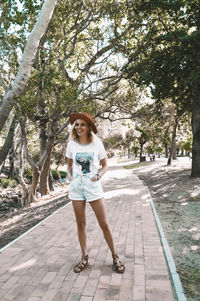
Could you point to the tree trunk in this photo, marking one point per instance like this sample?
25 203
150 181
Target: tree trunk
173 143
196 139
21 177
11 160
34 184
166 150
19 83
141 152
59 176
43 122
44 178
31 196
8 142
174 157
51 181
141 149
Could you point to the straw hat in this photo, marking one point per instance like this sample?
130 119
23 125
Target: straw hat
85 116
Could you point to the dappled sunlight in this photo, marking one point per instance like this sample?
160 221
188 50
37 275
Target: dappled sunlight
145 197
182 229
168 182
196 236
157 185
191 248
146 201
194 248
195 192
176 197
24 265
121 191
193 229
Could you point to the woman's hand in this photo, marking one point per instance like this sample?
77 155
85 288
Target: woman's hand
70 178
95 178
69 169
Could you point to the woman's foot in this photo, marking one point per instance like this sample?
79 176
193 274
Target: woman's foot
118 266
82 264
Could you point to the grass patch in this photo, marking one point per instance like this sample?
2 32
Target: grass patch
124 160
190 286
136 165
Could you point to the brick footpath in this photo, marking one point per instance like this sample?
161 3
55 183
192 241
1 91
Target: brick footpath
39 266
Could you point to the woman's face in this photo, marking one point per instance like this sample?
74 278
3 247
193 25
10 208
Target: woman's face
81 127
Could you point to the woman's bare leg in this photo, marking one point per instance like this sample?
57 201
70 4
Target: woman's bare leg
99 210
79 210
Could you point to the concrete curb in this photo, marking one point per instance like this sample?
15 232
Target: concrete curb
170 261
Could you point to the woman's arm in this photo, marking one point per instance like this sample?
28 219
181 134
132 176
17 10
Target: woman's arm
101 171
69 169
104 167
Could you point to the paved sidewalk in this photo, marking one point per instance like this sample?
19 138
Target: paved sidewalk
39 266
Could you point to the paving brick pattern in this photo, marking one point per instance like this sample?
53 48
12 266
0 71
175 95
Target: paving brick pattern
39 266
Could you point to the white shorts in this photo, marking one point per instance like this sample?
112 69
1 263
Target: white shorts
81 188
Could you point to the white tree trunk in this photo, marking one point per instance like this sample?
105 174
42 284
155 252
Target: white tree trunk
19 83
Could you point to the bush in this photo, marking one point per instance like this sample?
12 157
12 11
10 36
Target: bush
28 173
110 154
7 183
63 174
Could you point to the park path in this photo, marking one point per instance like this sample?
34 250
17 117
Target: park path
39 266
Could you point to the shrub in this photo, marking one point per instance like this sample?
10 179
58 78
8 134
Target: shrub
28 173
7 183
55 175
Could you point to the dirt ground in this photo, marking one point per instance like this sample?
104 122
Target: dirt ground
177 200
14 222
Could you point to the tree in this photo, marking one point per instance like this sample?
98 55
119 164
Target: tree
166 57
143 138
23 74
53 93
129 139
186 145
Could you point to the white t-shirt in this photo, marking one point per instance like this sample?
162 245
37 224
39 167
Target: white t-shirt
85 157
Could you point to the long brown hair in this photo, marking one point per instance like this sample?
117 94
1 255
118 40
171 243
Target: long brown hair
75 137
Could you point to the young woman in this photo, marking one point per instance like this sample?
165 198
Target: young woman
86 164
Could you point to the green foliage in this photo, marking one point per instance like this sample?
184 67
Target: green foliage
114 140
28 174
149 150
63 174
5 183
135 150
159 149
16 22
186 145
144 134
166 54
110 154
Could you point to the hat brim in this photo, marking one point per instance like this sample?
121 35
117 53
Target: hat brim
75 116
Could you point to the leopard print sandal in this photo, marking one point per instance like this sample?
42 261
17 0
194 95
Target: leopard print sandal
82 264
118 266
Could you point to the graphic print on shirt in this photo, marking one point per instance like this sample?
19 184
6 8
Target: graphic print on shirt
85 160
